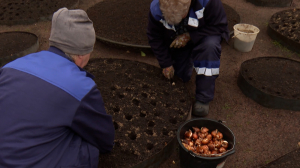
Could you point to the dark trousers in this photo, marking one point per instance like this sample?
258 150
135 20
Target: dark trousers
204 55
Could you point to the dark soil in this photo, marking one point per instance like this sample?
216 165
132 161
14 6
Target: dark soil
275 76
262 134
271 3
146 108
232 16
285 160
121 20
126 20
15 42
287 24
30 11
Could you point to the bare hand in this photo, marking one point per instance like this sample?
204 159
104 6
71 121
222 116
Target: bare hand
168 72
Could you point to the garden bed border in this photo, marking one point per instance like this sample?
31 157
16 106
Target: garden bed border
263 98
32 49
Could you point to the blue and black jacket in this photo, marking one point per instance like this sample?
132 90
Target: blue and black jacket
206 17
51 114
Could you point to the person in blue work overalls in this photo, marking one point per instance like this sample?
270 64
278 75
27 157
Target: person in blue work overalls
186 35
51 113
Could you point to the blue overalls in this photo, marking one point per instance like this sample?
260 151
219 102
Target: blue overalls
207 26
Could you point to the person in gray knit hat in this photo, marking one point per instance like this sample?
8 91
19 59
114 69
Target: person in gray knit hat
73 33
52 114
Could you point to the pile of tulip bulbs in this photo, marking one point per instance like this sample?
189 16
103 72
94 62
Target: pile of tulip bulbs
205 143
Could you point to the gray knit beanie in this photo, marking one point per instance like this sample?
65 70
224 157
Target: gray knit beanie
72 31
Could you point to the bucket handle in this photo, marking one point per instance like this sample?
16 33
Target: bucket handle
235 35
220 121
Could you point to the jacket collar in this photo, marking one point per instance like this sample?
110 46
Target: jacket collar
61 53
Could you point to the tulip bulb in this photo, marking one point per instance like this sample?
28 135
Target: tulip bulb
195 136
205 141
204 129
214 133
222 149
205 148
219 135
211 146
188 134
198 142
209 136
224 144
196 129
201 135
214 152
199 149
217 144
208 152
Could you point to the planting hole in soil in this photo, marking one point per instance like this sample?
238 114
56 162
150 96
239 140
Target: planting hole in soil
27 12
148 114
132 28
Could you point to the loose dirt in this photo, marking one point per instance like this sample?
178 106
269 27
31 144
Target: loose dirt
30 11
146 108
274 76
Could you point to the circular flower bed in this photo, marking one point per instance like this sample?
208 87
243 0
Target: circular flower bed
146 109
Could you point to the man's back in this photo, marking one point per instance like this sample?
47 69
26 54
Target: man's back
39 97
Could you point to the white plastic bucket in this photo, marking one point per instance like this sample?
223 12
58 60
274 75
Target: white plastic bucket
244 36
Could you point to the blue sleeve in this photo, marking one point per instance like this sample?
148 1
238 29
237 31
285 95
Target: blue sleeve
92 123
159 46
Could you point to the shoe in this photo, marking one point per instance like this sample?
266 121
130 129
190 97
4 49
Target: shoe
200 109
